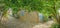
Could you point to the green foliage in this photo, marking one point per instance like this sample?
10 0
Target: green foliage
44 6
55 25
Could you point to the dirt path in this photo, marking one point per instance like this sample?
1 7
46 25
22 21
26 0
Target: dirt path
16 23
44 25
